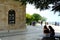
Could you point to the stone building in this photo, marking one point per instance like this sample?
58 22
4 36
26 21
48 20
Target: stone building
12 15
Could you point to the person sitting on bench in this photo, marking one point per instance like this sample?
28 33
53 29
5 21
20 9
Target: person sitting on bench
46 31
52 32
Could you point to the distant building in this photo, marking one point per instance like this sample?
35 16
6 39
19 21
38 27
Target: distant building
12 15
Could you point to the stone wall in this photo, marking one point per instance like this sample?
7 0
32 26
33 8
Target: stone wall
5 6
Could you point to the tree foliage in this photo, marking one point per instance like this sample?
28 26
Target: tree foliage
37 17
42 4
29 18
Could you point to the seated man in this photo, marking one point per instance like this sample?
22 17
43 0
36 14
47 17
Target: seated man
46 31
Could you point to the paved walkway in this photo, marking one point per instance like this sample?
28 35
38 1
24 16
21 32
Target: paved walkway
31 33
29 30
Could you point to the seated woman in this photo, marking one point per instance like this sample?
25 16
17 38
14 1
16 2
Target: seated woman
52 32
46 31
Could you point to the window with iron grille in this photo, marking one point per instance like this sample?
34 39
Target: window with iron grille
11 17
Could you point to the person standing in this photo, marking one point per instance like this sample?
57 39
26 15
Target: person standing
41 22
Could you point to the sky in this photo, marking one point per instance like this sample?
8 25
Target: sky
51 17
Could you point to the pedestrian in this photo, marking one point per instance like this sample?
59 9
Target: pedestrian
55 23
30 23
41 22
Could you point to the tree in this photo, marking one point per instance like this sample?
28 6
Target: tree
56 7
29 18
36 17
43 4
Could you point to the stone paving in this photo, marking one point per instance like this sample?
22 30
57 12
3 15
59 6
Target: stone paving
31 33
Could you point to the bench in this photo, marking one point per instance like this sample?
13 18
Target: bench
51 38
57 37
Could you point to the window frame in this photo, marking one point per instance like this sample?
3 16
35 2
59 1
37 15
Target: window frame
11 15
